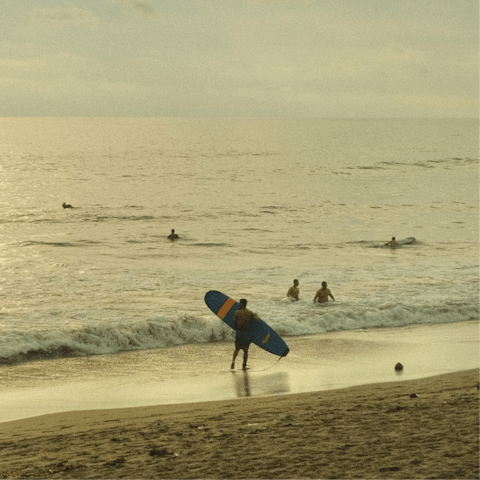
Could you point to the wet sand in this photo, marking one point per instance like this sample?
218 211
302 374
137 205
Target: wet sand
199 373
367 431
333 408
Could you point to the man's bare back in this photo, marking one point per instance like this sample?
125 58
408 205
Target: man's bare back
242 318
392 243
173 236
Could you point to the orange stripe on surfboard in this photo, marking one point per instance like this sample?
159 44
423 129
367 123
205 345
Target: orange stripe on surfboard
229 303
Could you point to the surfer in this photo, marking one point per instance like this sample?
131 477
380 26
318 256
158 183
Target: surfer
392 243
244 335
293 291
322 295
64 205
173 236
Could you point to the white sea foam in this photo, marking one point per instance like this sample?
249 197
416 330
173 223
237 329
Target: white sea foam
18 347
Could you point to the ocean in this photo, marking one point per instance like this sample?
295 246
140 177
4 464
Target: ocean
257 203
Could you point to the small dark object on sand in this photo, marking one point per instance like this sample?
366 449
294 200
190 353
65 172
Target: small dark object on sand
64 205
398 367
413 395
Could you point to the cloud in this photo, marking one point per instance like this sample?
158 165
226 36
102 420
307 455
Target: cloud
63 16
45 67
142 7
222 57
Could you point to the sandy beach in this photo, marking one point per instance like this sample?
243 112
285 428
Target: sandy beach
333 408
201 372
424 428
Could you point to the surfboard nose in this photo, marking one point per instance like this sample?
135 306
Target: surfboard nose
215 300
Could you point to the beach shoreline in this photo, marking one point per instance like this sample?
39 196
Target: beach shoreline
423 428
199 373
333 408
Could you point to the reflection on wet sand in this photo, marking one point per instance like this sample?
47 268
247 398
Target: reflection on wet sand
249 385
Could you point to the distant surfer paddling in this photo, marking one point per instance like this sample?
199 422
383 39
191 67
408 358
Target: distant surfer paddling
322 295
392 243
64 205
293 291
244 334
173 236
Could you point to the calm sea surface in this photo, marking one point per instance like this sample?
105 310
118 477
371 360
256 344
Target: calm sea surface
257 203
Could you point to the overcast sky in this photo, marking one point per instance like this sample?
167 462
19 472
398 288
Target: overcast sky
245 58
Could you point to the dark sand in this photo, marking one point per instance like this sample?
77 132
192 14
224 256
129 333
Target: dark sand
367 431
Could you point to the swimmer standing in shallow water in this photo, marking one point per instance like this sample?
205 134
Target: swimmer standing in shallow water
294 291
322 295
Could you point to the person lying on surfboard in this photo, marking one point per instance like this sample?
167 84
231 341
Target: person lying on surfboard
293 291
392 243
244 334
322 295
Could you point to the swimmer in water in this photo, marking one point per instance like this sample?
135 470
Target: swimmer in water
173 236
293 291
322 295
392 243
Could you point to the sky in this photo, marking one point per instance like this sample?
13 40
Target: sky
239 58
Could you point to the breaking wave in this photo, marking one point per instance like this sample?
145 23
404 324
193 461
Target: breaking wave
297 319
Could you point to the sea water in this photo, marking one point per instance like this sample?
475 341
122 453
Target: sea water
257 203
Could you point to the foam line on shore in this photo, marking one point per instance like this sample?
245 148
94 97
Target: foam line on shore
201 372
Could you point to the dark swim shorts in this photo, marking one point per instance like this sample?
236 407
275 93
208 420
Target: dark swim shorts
243 338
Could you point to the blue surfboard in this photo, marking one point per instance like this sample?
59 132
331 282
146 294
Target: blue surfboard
263 335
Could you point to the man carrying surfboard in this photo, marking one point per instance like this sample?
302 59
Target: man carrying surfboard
322 295
244 334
